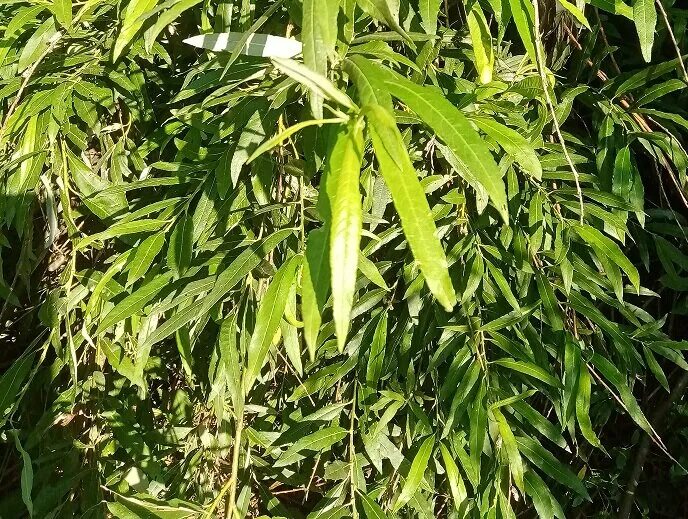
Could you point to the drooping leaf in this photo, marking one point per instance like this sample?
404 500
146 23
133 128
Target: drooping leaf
645 19
267 320
416 473
411 204
346 225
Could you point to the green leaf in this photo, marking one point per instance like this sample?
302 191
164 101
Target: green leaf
62 9
387 12
144 255
524 18
481 40
370 271
230 356
269 315
452 127
288 132
429 10
371 508
530 369
416 473
575 12
317 441
134 302
317 83
510 319
166 18
319 35
645 19
181 246
121 229
377 351
135 15
11 384
509 443
346 226
227 280
456 484
549 301
315 285
583 407
615 377
26 480
545 503
610 249
548 464
514 144
411 204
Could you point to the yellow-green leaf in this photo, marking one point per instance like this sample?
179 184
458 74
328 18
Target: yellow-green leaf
269 315
347 223
411 204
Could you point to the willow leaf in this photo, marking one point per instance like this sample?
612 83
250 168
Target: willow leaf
411 204
645 19
268 319
347 222
416 473
452 127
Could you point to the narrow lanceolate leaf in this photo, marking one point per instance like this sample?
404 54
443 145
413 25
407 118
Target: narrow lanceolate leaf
451 126
411 204
229 355
549 301
181 246
11 384
416 473
63 12
429 10
347 222
530 369
514 144
315 285
377 351
606 246
645 19
144 256
549 465
481 40
371 508
166 18
610 372
268 319
575 12
134 303
288 132
226 281
385 11
509 444
456 484
524 18
26 480
583 407
317 83
134 18
121 229
317 441
318 36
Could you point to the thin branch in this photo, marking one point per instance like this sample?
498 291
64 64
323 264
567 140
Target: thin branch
673 39
540 63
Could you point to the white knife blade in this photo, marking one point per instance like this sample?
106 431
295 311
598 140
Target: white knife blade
265 45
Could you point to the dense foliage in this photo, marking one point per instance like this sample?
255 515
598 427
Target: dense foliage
434 265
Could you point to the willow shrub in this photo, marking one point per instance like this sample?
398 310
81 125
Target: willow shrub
419 267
